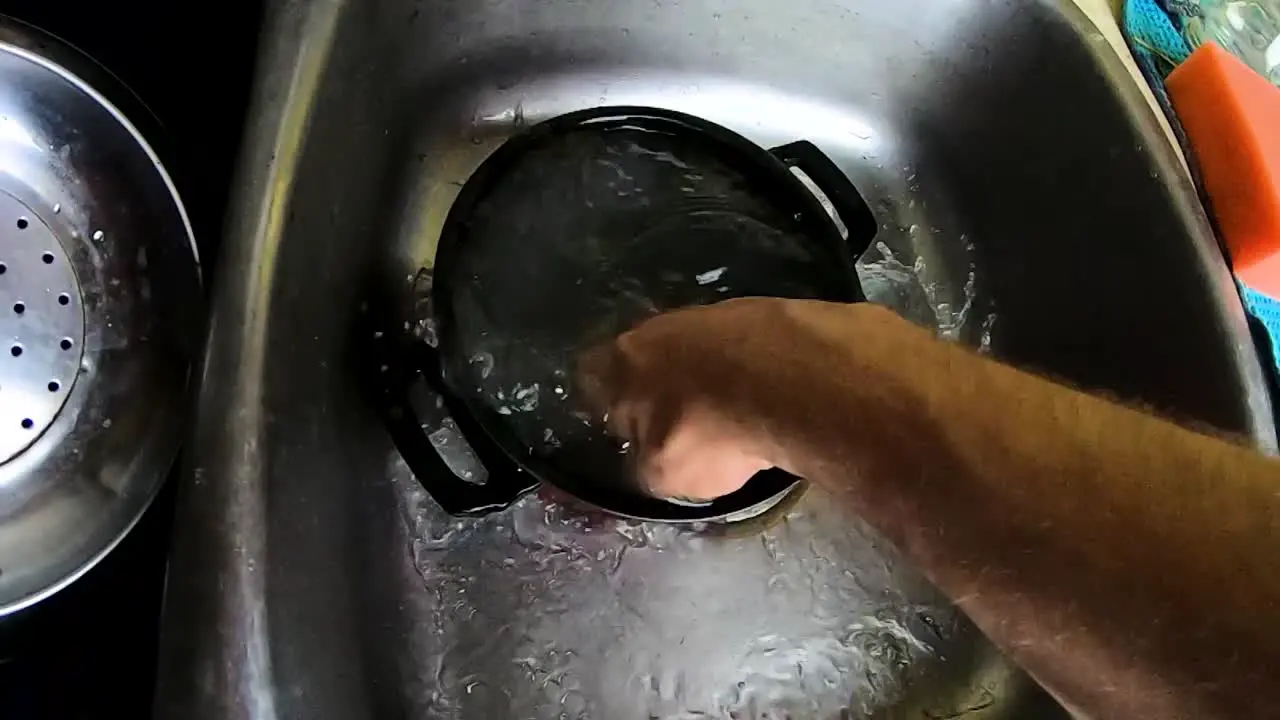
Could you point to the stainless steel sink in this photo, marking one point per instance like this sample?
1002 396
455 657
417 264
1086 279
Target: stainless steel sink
1028 206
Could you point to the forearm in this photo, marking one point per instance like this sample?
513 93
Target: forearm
1125 561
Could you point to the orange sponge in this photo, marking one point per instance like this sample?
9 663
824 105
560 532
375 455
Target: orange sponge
1232 118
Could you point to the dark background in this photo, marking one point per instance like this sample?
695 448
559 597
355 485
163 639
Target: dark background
90 651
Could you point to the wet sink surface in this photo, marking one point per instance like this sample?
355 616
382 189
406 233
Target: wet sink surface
1027 207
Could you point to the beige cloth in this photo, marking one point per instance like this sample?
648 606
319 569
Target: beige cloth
1105 14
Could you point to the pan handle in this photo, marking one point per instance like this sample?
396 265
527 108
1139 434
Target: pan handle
832 181
406 380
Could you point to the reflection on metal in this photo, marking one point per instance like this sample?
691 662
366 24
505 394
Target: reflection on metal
100 315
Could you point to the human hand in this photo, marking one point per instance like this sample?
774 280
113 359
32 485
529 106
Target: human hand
704 394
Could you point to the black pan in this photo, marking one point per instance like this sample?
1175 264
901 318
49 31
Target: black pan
665 195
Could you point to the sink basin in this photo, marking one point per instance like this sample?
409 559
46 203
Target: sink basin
1027 205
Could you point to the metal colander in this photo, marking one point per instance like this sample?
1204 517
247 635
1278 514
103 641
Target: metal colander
100 315
41 326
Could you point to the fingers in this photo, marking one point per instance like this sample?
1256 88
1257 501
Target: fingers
614 386
655 387
598 376
698 462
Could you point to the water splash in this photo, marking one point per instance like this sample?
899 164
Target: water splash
988 327
550 610
900 279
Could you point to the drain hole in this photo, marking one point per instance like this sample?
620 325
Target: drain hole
16 350
19 308
64 299
27 423
65 344
54 386
22 223
47 258
3 268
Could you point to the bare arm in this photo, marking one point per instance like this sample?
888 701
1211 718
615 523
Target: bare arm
1127 563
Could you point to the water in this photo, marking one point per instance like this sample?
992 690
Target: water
893 275
548 611
457 453
711 276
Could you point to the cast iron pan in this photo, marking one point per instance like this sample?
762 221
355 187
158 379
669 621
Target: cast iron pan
568 234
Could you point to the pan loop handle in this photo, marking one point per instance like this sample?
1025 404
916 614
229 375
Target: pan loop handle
850 209
410 394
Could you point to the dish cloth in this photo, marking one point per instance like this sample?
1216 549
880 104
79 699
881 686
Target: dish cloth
1152 33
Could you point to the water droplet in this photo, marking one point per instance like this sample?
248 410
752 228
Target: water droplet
711 276
484 361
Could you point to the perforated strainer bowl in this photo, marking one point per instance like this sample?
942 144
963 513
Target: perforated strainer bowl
99 315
